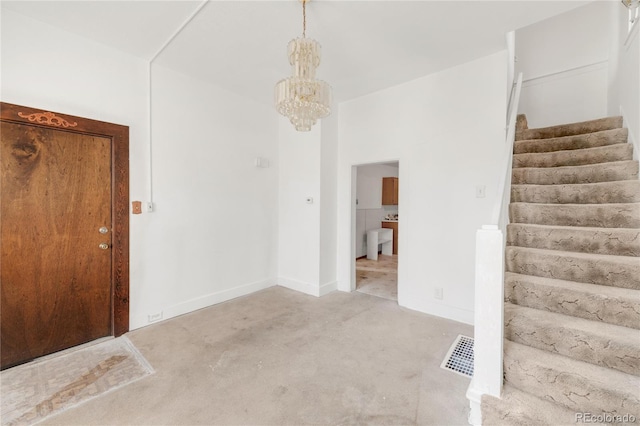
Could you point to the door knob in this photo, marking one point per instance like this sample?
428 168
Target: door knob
104 246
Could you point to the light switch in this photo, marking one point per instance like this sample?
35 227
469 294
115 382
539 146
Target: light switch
262 163
481 191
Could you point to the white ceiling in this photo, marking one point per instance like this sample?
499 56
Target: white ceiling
241 45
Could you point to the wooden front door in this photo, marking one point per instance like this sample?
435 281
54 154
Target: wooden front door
58 233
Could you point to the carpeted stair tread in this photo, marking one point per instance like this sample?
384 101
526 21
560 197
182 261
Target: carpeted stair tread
572 280
615 271
594 342
575 157
577 385
618 215
522 122
589 140
612 305
570 129
612 241
589 173
627 191
518 408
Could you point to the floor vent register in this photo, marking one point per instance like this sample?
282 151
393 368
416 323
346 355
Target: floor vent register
459 359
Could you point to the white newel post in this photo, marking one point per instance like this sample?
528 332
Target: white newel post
489 304
489 285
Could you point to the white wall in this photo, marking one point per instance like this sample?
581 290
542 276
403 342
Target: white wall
213 234
328 200
447 131
563 61
307 232
299 222
624 73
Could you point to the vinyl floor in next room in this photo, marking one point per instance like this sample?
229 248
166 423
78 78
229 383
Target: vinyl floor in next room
378 277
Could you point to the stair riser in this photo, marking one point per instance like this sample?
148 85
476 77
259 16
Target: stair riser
570 388
571 129
521 122
590 140
494 414
588 193
620 310
572 281
520 408
592 173
623 272
618 349
618 242
578 157
603 216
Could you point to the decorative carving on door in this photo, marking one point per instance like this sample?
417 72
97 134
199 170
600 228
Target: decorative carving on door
46 117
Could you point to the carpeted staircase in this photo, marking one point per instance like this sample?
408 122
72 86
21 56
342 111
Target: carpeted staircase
572 281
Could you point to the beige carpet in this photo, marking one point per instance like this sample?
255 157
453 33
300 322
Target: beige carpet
34 391
572 280
378 277
279 357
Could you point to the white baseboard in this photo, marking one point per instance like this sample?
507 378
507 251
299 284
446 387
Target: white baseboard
308 288
440 310
328 288
138 321
475 401
301 286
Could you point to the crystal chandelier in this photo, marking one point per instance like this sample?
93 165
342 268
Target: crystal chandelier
301 97
633 6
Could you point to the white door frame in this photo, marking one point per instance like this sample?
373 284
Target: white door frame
352 226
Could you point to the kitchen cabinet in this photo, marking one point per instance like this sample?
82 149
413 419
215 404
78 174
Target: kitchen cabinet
394 226
390 191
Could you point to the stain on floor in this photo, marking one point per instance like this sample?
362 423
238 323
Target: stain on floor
34 391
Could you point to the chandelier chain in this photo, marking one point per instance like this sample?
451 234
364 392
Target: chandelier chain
304 18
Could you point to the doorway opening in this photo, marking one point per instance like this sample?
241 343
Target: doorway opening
377 229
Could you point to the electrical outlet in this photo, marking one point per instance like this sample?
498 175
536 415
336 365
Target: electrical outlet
155 317
437 293
261 162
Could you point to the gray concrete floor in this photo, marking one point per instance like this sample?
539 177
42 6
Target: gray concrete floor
281 357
